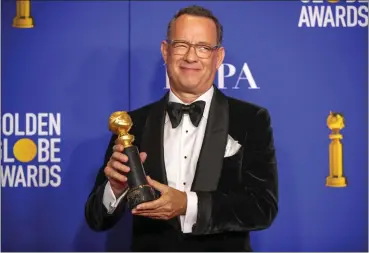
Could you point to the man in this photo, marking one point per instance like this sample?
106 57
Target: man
214 166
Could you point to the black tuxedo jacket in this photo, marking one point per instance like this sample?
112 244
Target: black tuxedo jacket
236 194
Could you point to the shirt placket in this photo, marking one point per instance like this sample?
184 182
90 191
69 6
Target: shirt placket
185 154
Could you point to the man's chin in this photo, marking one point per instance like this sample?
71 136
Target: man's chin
190 86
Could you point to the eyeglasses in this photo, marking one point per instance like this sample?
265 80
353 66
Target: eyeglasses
181 47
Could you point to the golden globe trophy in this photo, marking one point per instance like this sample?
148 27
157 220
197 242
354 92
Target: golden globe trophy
139 190
23 18
335 122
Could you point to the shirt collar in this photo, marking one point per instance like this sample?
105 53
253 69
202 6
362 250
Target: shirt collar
207 97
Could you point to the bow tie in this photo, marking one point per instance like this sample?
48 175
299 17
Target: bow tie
176 111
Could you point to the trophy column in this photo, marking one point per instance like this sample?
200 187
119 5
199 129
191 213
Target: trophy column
335 122
23 18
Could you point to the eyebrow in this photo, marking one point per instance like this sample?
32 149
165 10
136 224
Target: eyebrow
203 42
200 42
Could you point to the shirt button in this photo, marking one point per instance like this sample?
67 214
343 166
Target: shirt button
185 157
184 183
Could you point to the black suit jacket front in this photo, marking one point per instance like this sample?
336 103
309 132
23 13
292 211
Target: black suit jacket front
236 194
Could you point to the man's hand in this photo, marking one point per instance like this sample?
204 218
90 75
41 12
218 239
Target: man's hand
171 203
115 170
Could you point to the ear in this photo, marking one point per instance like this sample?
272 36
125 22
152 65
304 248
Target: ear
164 50
220 56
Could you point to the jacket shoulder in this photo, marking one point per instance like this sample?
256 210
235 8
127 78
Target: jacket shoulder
241 107
246 117
141 111
140 114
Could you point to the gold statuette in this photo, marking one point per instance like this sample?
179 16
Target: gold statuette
23 18
335 122
139 191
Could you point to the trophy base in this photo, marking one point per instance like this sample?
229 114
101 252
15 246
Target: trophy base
23 22
140 194
336 182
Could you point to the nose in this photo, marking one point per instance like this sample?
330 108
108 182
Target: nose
191 55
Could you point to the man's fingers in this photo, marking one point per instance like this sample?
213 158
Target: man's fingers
120 157
152 215
118 148
160 209
158 214
116 182
143 156
158 186
152 204
117 165
111 173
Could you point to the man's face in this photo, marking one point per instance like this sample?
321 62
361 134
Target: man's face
192 69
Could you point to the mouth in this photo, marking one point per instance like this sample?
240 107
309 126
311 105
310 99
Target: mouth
189 69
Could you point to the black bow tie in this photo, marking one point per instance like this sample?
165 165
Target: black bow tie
176 111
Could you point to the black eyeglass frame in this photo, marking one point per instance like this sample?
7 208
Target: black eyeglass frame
195 46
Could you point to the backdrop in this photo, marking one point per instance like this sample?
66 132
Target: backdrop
83 60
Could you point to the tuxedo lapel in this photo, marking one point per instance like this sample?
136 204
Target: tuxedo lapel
210 161
152 144
152 141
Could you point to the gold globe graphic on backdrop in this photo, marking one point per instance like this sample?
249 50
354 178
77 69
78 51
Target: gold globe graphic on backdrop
25 150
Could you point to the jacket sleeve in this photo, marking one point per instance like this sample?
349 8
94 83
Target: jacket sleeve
253 204
96 214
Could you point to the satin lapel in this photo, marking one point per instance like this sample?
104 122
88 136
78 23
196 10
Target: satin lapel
210 161
152 142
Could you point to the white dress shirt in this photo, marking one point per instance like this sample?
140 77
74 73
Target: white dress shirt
181 151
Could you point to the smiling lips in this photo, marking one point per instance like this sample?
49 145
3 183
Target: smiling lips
185 68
